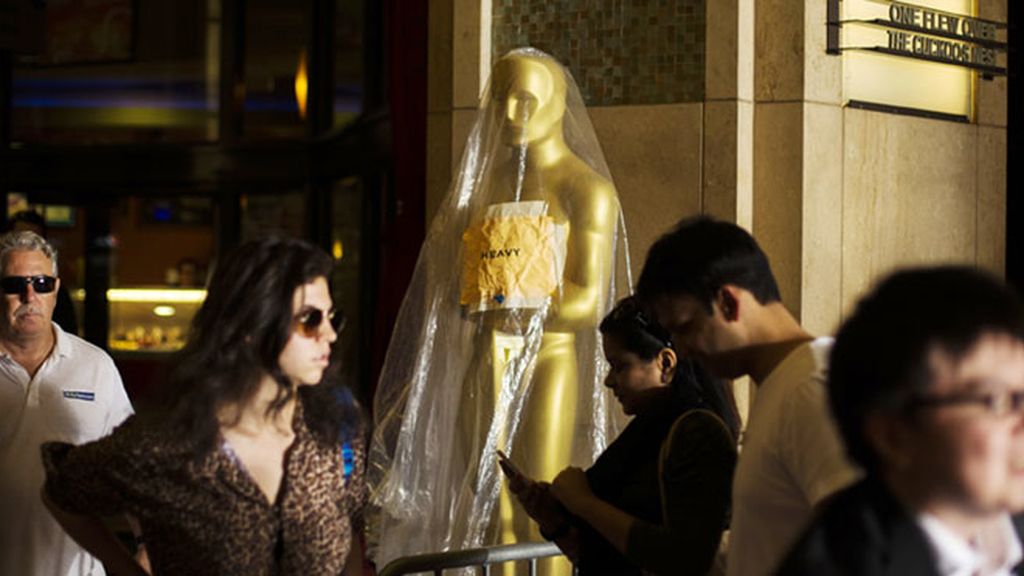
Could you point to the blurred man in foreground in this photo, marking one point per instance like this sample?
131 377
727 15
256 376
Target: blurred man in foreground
927 384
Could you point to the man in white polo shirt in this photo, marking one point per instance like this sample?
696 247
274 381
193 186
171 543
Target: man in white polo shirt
53 386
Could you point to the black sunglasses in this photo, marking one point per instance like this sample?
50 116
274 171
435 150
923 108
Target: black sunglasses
308 323
42 284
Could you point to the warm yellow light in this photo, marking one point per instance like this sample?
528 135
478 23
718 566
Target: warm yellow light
896 81
301 85
337 250
165 295
137 117
156 295
164 311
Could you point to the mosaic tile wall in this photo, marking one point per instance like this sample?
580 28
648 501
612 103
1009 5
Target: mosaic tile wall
620 51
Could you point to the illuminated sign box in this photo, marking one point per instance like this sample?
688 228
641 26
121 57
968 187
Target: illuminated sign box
919 58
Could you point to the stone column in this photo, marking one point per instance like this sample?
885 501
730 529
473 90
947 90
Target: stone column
728 157
798 153
459 63
842 196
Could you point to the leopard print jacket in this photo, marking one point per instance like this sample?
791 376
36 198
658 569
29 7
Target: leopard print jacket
210 517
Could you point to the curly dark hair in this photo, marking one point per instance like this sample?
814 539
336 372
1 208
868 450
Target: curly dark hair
238 335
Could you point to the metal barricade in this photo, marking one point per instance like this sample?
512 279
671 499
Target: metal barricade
438 562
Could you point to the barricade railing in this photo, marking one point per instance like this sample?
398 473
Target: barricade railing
482 558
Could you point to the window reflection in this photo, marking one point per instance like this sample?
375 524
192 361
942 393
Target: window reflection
157 85
277 36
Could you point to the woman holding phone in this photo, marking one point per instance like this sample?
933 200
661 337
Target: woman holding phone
657 499
258 469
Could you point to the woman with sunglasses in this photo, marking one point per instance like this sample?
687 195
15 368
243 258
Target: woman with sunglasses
657 499
258 467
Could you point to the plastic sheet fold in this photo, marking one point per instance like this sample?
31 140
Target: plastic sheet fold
526 254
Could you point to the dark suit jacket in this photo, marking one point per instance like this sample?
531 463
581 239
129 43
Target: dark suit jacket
864 531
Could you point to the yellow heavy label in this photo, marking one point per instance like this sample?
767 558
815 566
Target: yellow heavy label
514 257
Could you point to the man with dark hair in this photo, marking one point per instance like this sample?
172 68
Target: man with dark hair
927 386
711 286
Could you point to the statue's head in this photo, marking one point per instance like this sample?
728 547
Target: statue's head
528 95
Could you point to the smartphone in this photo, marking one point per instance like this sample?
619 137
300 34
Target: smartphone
507 467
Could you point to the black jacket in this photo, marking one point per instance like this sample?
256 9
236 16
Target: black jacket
864 531
677 534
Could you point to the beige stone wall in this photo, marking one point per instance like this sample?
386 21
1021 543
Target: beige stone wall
667 160
845 196
918 191
837 196
654 156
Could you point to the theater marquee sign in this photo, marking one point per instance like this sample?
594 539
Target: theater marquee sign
923 57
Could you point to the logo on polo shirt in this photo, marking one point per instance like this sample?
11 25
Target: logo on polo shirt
80 395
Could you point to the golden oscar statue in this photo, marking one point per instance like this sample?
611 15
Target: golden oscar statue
503 355
529 93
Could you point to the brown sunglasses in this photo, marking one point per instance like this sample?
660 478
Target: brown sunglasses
309 322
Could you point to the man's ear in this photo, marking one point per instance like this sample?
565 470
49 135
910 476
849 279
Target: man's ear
885 434
667 361
728 301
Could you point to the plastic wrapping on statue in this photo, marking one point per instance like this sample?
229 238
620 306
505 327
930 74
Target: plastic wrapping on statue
526 254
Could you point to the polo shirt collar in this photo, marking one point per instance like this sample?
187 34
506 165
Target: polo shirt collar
62 342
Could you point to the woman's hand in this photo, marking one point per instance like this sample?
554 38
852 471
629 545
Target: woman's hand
572 489
537 500
535 497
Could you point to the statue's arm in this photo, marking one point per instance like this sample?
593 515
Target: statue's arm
594 215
